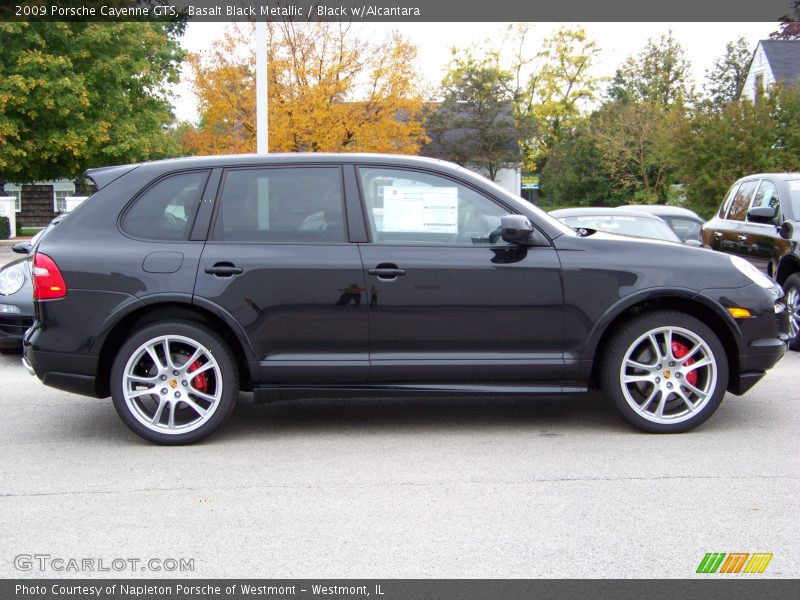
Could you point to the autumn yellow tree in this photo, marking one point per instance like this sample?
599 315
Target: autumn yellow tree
329 91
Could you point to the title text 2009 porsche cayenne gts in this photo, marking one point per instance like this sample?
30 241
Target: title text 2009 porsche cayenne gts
181 282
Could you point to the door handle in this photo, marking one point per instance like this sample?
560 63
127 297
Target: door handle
386 273
717 234
742 238
224 270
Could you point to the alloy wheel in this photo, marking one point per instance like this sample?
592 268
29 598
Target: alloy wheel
172 384
668 375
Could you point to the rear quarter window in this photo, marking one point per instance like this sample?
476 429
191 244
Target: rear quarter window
167 209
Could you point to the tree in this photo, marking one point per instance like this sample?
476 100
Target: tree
559 85
660 73
474 124
77 95
727 76
790 25
714 149
632 141
329 90
575 174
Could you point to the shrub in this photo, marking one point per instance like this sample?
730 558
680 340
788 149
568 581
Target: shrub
5 228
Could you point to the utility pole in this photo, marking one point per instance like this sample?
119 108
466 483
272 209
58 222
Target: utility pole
262 118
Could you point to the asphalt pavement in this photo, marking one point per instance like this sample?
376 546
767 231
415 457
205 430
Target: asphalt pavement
422 488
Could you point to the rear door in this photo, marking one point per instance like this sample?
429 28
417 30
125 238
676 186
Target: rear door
279 261
449 300
726 232
758 243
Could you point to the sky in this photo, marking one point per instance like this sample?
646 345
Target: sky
703 42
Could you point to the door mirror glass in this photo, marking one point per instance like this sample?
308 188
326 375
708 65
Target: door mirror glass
517 229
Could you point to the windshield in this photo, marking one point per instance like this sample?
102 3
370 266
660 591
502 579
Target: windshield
624 225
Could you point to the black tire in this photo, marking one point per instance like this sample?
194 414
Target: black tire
201 402
791 289
630 342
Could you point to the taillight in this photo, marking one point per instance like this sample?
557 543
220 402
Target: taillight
48 283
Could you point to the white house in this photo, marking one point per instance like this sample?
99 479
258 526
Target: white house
773 60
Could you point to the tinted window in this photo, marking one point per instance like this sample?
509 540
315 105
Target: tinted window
687 229
741 202
166 211
728 199
286 204
411 207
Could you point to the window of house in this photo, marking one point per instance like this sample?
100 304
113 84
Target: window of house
62 189
15 190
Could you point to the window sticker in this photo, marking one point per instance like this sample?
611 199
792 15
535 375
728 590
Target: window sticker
422 209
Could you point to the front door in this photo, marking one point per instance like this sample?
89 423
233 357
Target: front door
449 300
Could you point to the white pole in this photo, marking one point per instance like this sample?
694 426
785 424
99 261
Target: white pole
262 120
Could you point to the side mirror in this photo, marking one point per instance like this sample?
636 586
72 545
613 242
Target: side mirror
787 229
516 229
22 248
694 243
762 214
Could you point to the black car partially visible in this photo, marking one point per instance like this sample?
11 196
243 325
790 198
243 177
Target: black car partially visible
759 220
16 304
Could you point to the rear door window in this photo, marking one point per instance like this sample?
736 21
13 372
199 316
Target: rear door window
741 201
166 211
281 204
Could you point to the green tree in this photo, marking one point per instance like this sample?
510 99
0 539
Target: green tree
632 141
78 95
659 74
559 85
713 149
575 174
726 77
474 124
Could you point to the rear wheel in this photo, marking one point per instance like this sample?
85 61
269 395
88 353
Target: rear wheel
791 288
665 372
174 382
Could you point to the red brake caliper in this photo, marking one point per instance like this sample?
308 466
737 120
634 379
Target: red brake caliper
679 351
200 382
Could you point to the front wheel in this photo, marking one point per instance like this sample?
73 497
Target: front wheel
665 372
174 382
791 288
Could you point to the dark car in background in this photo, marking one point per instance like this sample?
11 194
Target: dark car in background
759 220
181 282
16 304
686 223
620 221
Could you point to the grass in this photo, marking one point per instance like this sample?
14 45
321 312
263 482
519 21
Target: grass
29 231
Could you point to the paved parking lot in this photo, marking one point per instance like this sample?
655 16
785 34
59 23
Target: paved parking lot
459 487
403 488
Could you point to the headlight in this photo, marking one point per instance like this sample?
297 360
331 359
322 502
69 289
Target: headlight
12 279
752 273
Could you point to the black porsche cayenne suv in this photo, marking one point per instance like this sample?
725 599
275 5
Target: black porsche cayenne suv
182 282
